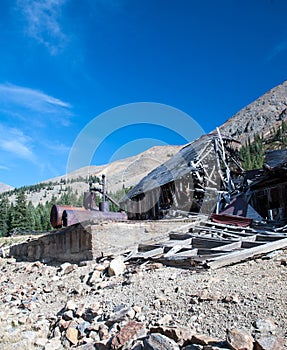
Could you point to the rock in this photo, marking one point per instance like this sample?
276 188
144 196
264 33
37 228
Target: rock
269 343
82 327
265 326
239 339
94 277
202 339
234 298
103 332
64 324
117 267
30 335
68 315
119 316
157 341
94 335
165 320
72 335
53 344
206 295
154 266
71 305
129 332
48 289
137 309
87 346
102 345
179 335
41 342
67 268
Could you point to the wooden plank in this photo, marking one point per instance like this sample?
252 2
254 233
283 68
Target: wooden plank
222 232
236 257
230 246
187 253
273 237
251 244
175 242
148 254
173 250
179 235
203 242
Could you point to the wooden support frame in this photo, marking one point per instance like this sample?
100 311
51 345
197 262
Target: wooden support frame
188 249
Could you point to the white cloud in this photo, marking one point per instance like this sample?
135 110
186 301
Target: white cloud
13 97
15 142
4 167
42 19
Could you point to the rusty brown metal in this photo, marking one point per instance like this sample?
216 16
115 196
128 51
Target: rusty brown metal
76 215
57 213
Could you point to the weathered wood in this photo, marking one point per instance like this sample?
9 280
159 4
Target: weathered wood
176 242
180 236
148 254
230 246
236 257
173 250
187 253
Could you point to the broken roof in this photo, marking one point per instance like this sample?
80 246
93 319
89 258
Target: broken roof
276 159
176 167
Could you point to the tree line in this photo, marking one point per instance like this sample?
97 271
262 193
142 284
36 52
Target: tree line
252 154
22 216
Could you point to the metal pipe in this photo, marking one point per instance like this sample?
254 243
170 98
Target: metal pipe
71 217
57 213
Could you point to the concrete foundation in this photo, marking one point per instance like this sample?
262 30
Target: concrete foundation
79 243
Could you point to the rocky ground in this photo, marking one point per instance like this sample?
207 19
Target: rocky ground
143 305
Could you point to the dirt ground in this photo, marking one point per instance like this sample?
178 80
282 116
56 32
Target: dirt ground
33 295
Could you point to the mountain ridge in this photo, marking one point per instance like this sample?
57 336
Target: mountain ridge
259 116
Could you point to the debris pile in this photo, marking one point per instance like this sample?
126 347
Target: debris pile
114 304
88 327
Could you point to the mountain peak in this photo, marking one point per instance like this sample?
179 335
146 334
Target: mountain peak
260 116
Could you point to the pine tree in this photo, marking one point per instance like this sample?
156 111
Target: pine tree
4 216
20 214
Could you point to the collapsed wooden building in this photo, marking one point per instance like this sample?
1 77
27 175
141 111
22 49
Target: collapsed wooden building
205 177
190 182
267 187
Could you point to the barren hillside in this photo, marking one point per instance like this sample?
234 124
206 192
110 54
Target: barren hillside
5 187
121 173
260 116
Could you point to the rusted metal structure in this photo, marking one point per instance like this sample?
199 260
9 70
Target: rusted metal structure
201 177
65 215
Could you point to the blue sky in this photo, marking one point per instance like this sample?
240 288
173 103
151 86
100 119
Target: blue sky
65 62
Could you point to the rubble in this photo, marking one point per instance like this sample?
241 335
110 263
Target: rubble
162 308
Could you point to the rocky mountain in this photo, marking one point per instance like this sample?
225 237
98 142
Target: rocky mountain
260 116
5 187
120 174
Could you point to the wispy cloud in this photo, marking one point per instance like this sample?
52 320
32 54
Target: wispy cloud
42 22
277 50
4 167
13 97
56 147
15 142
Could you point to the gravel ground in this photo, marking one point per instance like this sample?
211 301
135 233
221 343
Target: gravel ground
33 295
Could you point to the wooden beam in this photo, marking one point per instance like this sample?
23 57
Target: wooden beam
236 257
